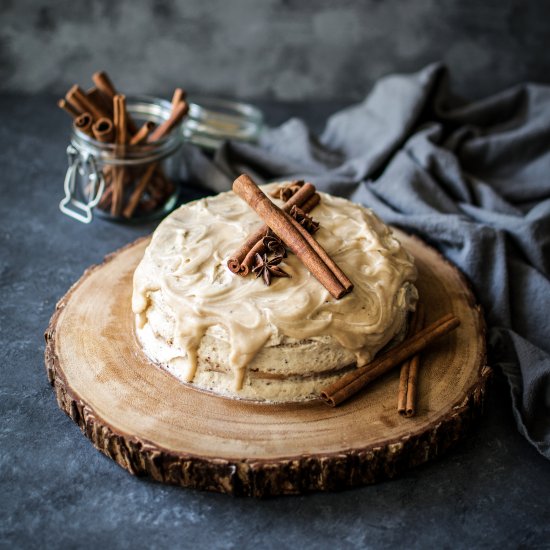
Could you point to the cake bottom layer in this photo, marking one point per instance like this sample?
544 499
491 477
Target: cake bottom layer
274 385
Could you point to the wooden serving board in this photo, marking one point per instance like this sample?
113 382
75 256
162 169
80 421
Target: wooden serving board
152 424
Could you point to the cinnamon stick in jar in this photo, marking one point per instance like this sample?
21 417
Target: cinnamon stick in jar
105 86
121 137
176 116
119 116
76 96
143 133
178 96
103 130
280 223
95 96
83 123
139 190
110 171
68 108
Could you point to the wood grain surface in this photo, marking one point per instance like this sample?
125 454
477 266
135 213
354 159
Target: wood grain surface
152 424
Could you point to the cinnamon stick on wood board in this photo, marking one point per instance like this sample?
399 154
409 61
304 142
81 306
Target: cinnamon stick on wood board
281 224
356 380
406 399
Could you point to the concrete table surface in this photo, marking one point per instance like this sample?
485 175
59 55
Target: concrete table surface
56 490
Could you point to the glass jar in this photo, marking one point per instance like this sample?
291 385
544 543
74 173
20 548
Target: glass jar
124 182
215 120
144 179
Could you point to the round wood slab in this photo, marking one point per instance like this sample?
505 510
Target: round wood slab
152 424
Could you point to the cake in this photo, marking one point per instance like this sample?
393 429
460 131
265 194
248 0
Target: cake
239 338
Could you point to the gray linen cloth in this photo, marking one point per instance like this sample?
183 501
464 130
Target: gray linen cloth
471 178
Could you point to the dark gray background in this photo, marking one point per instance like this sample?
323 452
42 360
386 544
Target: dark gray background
57 491
281 49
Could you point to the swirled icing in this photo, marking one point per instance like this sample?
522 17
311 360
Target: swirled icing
183 289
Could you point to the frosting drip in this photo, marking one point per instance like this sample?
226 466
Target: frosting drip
184 269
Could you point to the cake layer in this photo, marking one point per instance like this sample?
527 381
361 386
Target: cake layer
238 337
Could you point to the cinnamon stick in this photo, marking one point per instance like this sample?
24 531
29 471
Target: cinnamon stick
83 123
119 117
141 135
74 104
121 137
103 130
76 96
176 116
105 117
257 247
355 381
106 199
138 191
406 400
284 192
179 96
178 112
103 82
241 261
155 188
105 86
310 204
281 224
96 97
340 275
68 108
117 193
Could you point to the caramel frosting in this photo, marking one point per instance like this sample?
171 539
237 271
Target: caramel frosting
194 316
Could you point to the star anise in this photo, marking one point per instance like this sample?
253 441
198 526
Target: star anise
274 245
268 268
306 221
284 192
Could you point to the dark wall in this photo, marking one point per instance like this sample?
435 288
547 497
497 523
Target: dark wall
283 49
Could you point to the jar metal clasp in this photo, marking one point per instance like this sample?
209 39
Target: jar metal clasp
83 165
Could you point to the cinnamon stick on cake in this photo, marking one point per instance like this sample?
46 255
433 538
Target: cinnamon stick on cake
295 237
299 194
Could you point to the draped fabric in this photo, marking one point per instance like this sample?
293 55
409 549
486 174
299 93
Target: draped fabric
470 178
